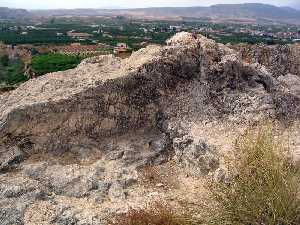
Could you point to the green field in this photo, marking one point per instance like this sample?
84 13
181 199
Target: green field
11 73
43 64
131 31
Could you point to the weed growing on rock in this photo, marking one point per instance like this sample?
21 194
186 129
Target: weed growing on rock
155 213
264 189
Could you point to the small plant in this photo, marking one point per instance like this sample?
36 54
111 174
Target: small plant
155 213
264 189
4 60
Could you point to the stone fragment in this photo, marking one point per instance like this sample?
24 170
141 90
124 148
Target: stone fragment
11 157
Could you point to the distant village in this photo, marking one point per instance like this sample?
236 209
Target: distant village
293 36
86 37
97 48
284 33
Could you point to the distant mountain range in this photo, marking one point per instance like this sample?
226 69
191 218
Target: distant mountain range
226 11
7 13
297 6
250 11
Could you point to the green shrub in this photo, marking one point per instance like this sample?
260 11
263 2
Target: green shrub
43 64
12 74
4 60
264 189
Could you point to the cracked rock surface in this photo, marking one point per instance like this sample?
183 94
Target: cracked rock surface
73 143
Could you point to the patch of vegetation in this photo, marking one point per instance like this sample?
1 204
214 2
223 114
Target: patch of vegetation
43 64
264 189
11 72
4 60
33 37
246 38
155 213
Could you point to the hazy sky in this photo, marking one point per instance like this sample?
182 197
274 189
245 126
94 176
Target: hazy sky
46 4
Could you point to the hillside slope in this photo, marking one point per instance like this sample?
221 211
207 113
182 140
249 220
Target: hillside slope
7 13
72 143
254 11
248 10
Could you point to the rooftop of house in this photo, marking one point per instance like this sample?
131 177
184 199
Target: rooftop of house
79 48
74 34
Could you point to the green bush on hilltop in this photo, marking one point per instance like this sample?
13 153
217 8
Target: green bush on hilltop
11 72
4 60
43 64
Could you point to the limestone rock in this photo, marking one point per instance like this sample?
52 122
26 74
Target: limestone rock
9 216
279 59
72 142
201 157
79 102
10 157
116 192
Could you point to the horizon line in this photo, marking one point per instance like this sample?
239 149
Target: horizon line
126 8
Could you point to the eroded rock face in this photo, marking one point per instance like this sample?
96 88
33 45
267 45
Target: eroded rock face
279 59
105 96
72 143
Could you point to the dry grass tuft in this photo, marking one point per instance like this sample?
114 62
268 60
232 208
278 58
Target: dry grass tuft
155 213
264 189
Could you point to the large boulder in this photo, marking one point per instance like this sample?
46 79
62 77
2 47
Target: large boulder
72 143
279 59
106 96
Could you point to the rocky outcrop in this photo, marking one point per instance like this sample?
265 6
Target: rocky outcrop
105 96
75 140
278 59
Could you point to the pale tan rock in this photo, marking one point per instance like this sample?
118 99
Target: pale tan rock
279 59
85 133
